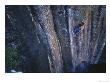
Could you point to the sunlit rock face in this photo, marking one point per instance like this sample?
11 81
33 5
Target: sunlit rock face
44 40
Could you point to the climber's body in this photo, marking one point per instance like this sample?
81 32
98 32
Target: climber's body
78 28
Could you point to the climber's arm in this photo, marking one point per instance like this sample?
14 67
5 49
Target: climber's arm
82 28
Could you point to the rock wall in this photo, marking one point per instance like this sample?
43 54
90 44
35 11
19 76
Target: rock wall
45 41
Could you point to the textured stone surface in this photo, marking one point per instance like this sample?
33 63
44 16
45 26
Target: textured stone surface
44 38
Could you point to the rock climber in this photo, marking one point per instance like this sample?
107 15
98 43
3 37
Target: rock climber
78 28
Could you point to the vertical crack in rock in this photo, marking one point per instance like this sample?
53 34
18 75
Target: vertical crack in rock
72 40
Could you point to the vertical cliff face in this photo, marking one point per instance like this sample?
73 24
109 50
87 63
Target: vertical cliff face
45 19
44 39
87 46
